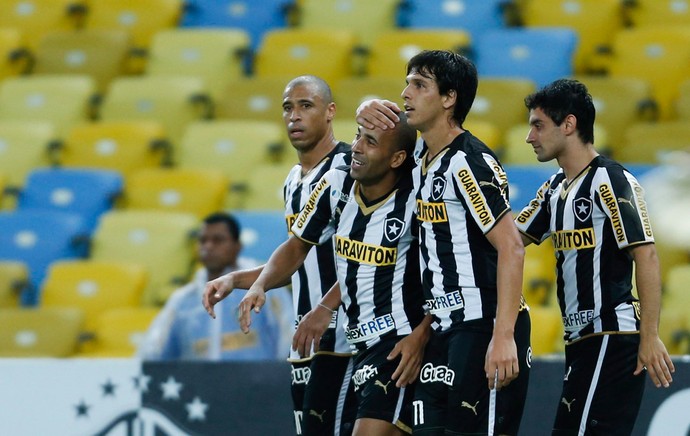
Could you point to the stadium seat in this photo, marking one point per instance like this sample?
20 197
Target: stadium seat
327 53
547 329
659 55
391 50
24 146
140 19
253 17
367 19
657 13
262 232
233 147
595 21
540 55
122 146
14 278
472 16
14 57
676 286
486 131
674 329
619 102
119 331
500 101
646 142
93 287
196 191
253 98
85 192
161 241
39 238
100 54
35 18
539 274
349 93
174 101
525 180
60 100
215 55
40 332
344 129
264 190
683 101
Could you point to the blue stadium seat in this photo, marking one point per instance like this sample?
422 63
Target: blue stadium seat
254 17
541 55
86 192
472 16
524 181
37 238
262 232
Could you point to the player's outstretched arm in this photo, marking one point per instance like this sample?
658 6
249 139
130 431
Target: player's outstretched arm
313 325
378 113
277 272
652 353
501 364
216 290
411 352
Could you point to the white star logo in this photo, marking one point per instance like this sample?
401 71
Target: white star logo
393 229
438 187
196 410
582 208
141 382
171 389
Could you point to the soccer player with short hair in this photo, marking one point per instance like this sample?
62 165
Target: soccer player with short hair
594 212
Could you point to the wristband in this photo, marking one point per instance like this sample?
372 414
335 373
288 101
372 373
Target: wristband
326 307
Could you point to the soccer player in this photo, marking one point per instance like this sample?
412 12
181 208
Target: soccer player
322 394
594 211
471 258
368 210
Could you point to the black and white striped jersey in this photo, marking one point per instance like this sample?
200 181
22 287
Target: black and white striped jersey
316 276
462 194
591 221
377 257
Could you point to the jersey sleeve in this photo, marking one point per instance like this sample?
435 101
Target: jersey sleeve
314 224
534 219
621 197
481 182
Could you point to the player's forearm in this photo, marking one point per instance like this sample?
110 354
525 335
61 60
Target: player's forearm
284 261
509 288
332 298
648 280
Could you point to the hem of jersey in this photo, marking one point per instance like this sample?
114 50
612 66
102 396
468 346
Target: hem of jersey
333 353
531 238
402 426
300 360
632 332
302 239
498 218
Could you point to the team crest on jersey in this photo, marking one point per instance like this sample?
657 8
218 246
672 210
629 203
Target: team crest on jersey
393 228
438 187
582 208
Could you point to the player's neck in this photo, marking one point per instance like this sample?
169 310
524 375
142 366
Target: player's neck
379 189
439 136
576 158
310 158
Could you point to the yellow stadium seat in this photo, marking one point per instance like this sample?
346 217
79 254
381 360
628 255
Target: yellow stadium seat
595 21
119 331
486 131
367 19
659 55
140 19
264 189
393 49
123 146
286 53
501 102
344 129
173 101
100 54
14 57
547 329
14 277
683 101
159 240
539 274
619 102
40 332
60 100
93 287
674 328
233 147
196 191
253 99
658 13
35 18
24 146
349 93
215 55
645 142
676 286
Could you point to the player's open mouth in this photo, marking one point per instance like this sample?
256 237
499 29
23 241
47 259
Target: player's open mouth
357 163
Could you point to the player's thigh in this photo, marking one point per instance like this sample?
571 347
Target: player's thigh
431 389
300 373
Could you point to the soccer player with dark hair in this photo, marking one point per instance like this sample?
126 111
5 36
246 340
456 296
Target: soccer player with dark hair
594 212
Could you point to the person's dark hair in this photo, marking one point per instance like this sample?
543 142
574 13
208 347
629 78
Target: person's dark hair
324 90
405 138
562 98
227 219
452 72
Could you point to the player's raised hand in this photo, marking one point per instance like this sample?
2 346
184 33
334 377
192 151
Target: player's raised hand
216 290
254 300
378 113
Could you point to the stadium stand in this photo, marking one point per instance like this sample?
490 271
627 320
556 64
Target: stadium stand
24 146
37 17
262 232
14 278
254 98
40 332
118 332
350 92
654 12
645 142
14 57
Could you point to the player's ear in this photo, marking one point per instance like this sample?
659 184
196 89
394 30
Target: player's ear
398 158
330 112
